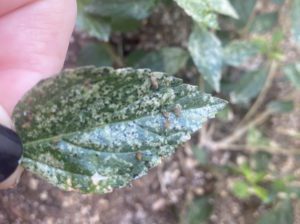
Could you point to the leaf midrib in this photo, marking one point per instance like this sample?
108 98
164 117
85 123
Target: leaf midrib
58 137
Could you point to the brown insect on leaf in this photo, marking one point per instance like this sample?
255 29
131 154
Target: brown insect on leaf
154 82
167 124
139 156
166 114
87 84
177 110
26 125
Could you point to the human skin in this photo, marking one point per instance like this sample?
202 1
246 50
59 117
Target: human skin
34 38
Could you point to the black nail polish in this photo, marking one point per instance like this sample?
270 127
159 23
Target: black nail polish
10 152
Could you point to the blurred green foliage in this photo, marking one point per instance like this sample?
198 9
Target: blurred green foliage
231 45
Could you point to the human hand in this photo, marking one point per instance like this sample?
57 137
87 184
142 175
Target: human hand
34 37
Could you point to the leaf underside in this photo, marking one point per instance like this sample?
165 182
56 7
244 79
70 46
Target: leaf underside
96 129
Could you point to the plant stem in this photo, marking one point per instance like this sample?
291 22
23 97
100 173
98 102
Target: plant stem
239 132
260 99
245 30
253 149
203 131
114 55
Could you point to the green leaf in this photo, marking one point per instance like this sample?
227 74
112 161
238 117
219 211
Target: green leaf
248 86
237 53
199 211
204 12
278 2
124 24
292 71
295 20
271 48
244 9
223 7
260 192
99 17
279 107
261 159
135 9
95 26
252 176
282 213
225 115
169 59
134 57
241 189
244 190
94 54
95 129
256 138
206 51
264 23
201 155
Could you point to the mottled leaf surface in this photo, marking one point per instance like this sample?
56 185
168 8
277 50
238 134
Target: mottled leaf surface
205 12
95 129
207 53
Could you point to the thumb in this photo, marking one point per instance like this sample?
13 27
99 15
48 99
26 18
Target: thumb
10 153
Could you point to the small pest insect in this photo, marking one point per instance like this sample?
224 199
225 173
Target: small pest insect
139 156
177 110
154 82
87 83
26 125
167 124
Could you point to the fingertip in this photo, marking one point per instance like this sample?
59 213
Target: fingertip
13 180
5 119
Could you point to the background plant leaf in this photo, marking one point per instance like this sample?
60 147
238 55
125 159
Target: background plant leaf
248 87
292 71
135 9
94 54
237 53
282 213
168 59
204 12
99 17
264 23
207 53
295 20
244 9
199 211
256 138
95 26
280 106
95 129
